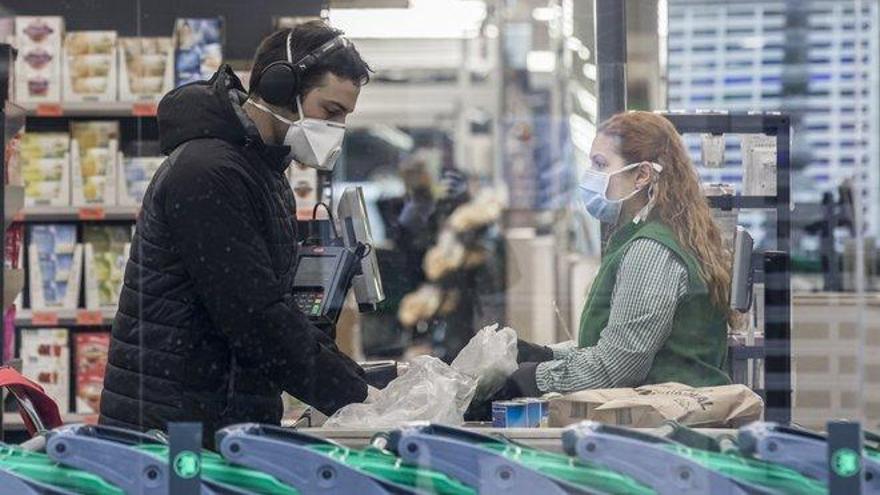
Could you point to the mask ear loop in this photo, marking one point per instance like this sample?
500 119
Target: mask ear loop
642 215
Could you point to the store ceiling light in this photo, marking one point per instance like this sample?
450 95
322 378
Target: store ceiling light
424 19
540 61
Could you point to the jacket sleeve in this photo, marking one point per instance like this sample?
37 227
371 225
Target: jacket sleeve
213 222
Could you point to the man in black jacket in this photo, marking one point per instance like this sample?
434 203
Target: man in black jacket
207 329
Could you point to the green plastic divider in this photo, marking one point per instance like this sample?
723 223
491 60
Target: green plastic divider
218 470
755 472
387 466
570 469
39 467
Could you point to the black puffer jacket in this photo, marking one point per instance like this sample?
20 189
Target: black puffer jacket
207 329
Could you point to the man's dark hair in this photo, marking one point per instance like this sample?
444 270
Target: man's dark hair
345 62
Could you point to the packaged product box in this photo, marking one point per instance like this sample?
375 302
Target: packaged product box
45 359
55 266
727 406
38 66
759 164
304 182
106 252
198 48
90 359
93 152
146 68
89 69
44 160
134 177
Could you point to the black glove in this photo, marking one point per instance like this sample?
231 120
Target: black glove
526 352
522 383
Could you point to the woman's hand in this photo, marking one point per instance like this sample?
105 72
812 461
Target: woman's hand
521 383
526 352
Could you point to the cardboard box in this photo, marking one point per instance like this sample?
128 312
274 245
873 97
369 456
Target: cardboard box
134 175
54 267
198 49
89 70
45 356
146 68
45 168
38 66
94 154
90 351
649 406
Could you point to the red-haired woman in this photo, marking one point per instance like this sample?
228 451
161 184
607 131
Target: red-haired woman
658 308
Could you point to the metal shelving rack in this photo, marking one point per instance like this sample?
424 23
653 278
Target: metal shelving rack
776 351
11 123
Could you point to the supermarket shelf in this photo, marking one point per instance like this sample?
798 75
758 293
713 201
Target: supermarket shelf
13 202
64 318
75 214
91 109
12 420
13 283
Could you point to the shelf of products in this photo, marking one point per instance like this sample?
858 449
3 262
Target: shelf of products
91 109
74 214
64 317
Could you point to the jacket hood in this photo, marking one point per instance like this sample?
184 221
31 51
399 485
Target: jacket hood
203 109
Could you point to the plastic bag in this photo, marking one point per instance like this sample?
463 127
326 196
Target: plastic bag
490 357
430 390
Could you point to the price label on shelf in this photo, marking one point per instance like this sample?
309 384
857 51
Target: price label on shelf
44 319
49 110
144 109
92 213
90 318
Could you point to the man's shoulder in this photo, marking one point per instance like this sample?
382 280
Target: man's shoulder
204 166
209 152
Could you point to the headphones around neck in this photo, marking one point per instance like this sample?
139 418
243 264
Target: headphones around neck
280 82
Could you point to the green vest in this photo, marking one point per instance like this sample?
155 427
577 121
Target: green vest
695 352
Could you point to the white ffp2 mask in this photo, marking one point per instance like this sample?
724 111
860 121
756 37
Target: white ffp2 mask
314 143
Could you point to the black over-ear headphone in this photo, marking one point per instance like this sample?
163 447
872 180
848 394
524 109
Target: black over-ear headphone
281 81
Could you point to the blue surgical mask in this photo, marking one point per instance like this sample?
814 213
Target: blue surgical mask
594 190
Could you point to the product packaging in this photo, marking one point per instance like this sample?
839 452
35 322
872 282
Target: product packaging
55 266
106 252
510 414
649 406
198 49
146 68
45 168
90 71
134 177
38 65
45 359
759 164
93 153
90 354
